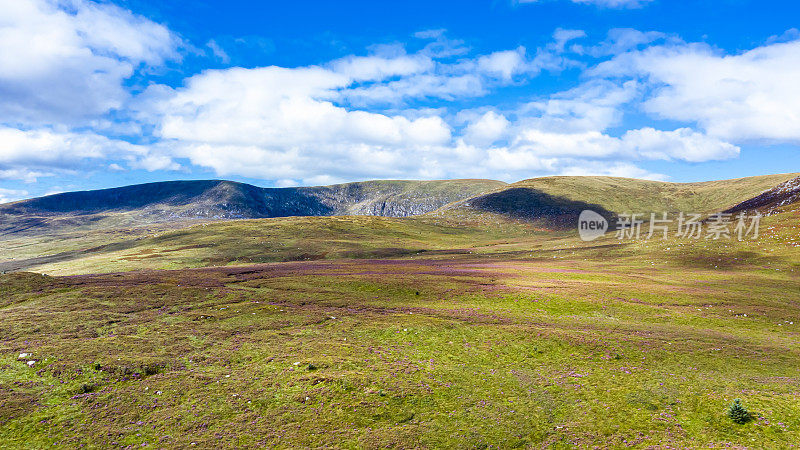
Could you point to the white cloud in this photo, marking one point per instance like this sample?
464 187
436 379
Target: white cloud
645 143
516 161
621 40
592 106
503 64
11 195
361 117
429 74
29 154
588 144
422 86
280 108
64 61
288 123
22 174
750 96
681 144
376 68
618 4
562 36
279 123
218 52
487 129
151 163
276 123
613 169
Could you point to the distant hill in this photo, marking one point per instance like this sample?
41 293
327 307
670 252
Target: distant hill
151 225
557 201
553 201
215 199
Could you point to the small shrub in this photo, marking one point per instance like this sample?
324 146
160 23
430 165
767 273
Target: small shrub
86 388
151 368
738 413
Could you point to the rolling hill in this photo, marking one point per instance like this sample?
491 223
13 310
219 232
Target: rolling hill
554 201
181 201
557 201
156 225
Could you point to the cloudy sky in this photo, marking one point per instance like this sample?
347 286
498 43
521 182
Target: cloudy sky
101 94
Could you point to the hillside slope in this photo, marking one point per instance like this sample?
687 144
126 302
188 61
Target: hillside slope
780 197
559 200
177 201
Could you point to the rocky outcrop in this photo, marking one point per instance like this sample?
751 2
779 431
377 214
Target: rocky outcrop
772 199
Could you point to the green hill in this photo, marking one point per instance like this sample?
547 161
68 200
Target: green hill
156 225
559 200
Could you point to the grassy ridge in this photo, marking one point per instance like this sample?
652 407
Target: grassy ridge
630 195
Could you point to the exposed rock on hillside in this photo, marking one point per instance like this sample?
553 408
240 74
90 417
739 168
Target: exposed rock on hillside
770 200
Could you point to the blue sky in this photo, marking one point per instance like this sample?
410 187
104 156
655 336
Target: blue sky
101 94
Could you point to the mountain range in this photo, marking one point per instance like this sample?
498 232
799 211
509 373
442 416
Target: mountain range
556 201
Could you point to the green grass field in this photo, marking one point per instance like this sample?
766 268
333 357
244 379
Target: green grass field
441 331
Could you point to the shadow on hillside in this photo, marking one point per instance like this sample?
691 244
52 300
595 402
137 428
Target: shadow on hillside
536 206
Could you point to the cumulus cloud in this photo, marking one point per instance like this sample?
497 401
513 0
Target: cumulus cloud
573 125
303 125
393 77
594 105
645 143
487 129
276 122
282 123
29 154
389 113
292 123
64 61
503 64
681 144
749 96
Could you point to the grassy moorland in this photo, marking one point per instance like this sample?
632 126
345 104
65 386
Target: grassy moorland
561 347
430 332
286 239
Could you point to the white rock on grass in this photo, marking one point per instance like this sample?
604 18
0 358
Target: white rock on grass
31 363
24 355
